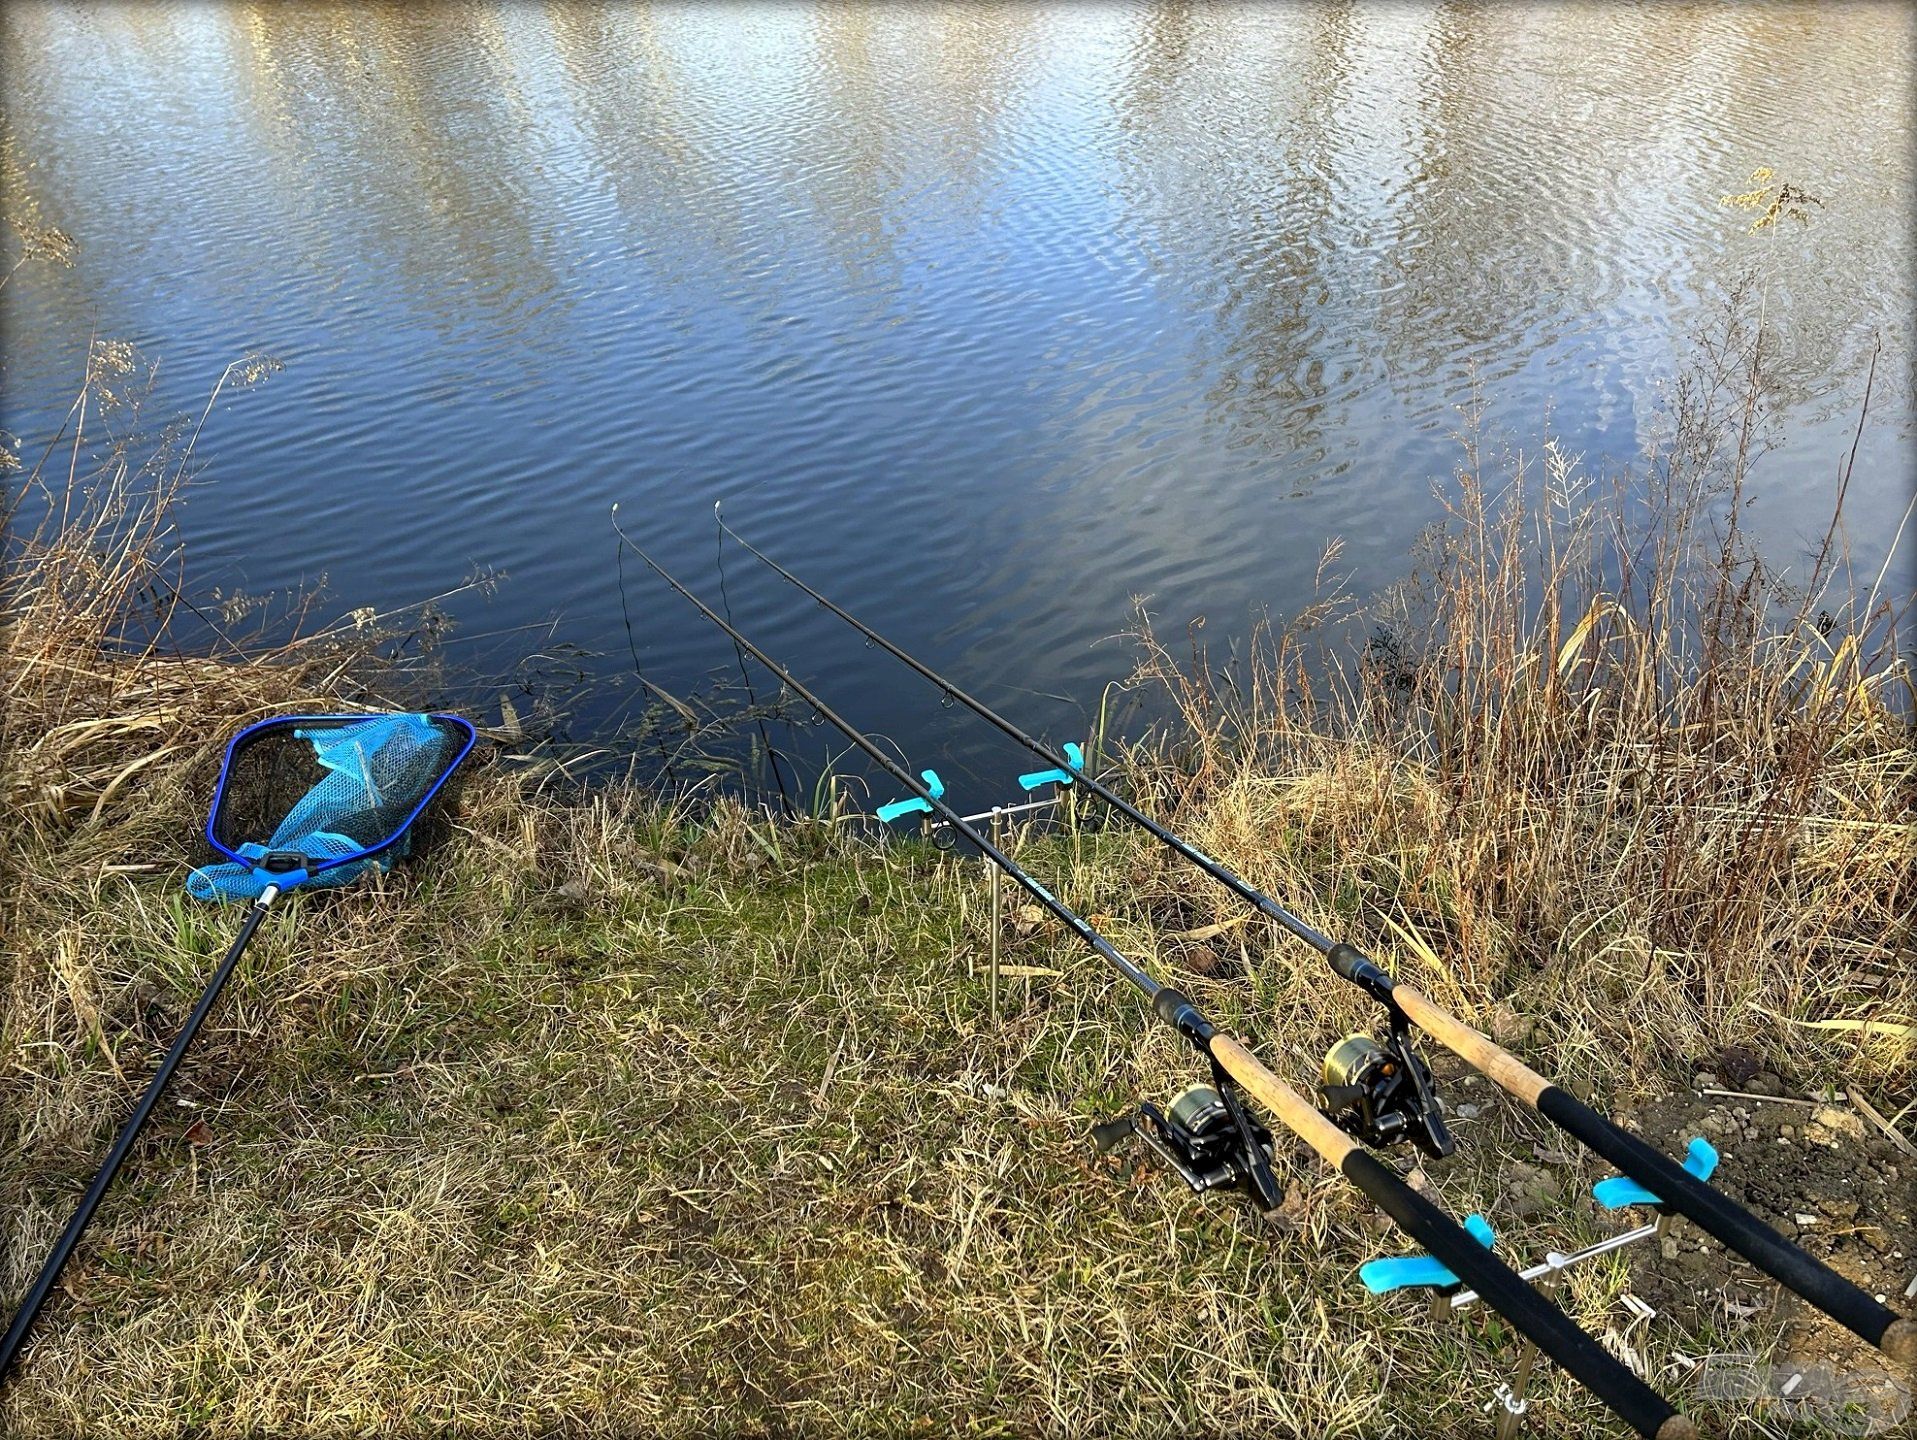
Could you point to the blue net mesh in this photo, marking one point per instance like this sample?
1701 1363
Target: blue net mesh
341 787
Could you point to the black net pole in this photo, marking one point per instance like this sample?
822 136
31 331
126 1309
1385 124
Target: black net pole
130 1132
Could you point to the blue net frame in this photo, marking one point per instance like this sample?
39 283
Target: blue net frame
308 800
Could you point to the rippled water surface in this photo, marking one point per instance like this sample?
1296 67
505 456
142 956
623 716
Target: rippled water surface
986 319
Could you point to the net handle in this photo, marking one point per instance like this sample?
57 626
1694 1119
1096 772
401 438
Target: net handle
16 1336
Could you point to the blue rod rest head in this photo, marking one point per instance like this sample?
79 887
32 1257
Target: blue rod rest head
913 804
1405 1272
1074 756
1700 1158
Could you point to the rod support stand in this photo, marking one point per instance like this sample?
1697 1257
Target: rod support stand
998 923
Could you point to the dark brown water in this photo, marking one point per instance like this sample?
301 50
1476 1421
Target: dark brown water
985 319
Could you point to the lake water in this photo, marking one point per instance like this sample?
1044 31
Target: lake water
985 319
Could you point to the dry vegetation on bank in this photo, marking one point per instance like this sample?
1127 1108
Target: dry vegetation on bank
613 1117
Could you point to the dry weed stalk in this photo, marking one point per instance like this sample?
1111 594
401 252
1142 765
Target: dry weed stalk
104 702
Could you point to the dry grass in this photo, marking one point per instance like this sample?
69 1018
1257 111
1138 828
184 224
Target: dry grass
610 1118
103 707
604 1122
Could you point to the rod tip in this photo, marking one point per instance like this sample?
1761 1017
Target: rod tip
1678 1427
1900 1342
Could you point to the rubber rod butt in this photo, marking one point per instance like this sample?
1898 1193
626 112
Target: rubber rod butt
1678 1427
1900 1341
1504 1290
1718 1216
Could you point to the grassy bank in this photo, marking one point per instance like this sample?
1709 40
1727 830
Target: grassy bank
617 1116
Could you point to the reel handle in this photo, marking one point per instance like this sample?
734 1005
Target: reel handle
1109 1134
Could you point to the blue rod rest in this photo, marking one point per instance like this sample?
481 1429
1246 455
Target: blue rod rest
1404 1272
1621 1190
1035 778
912 804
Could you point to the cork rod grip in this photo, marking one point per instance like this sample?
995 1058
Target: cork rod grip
1297 1114
1496 1063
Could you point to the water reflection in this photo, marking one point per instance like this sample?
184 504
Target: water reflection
994 315
377 101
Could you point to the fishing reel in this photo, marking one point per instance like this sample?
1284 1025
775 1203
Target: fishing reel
1381 1092
1207 1136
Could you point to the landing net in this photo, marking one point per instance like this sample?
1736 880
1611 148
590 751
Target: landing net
321 799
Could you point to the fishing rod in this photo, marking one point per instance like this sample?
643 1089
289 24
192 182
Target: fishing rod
1359 1071
1234 1067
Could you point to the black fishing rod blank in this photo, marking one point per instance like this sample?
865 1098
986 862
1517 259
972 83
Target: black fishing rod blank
1233 1064
1378 1090
1416 1117
1217 871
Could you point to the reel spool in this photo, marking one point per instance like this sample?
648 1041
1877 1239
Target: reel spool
1381 1092
1206 1136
